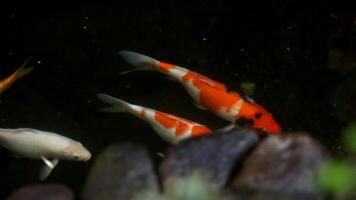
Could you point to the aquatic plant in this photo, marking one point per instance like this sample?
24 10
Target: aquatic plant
192 187
338 177
248 88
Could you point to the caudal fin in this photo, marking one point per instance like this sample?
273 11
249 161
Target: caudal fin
117 105
139 61
20 72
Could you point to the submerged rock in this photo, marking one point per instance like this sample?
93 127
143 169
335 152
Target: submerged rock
120 172
42 192
284 164
213 155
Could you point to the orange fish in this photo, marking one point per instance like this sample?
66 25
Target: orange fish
207 93
171 128
20 72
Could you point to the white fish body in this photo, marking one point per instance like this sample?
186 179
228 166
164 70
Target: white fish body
36 144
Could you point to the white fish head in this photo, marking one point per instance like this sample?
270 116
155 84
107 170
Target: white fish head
76 151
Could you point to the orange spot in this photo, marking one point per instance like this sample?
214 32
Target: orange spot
170 121
248 110
213 95
181 128
165 120
143 113
201 78
165 67
199 130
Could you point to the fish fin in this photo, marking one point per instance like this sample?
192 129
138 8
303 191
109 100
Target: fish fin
15 155
47 168
117 105
22 71
139 61
199 106
248 98
160 154
47 162
227 128
143 68
171 78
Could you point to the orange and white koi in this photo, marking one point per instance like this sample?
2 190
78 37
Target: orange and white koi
207 93
20 72
171 128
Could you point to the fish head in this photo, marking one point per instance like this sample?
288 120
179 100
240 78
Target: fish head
264 120
76 151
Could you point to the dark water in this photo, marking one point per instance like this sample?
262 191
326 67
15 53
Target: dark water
283 47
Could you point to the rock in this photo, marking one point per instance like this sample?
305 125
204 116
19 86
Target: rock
120 172
42 192
214 155
284 164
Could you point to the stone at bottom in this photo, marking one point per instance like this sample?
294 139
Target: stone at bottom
120 172
42 192
214 155
284 164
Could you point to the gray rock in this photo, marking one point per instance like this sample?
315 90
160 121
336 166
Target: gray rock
213 155
42 192
284 164
120 172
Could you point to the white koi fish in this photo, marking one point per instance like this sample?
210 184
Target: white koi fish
46 146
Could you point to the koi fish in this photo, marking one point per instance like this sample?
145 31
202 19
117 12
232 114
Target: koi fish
208 94
42 145
20 72
170 128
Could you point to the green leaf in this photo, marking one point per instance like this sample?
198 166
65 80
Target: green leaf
350 138
248 88
337 177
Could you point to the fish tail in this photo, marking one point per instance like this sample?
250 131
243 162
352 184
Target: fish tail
117 105
22 71
139 61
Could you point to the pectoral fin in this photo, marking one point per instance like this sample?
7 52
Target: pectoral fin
227 128
248 98
48 167
171 78
199 106
47 162
15 155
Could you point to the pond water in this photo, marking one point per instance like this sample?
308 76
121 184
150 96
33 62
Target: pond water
298 56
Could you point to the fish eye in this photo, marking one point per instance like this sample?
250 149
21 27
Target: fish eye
258 115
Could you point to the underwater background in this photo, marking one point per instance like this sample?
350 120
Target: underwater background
299 57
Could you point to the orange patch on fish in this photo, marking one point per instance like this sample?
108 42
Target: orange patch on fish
165 67
181 128
198 77
170 122
248 110
200 130
212 95
143 113
164 120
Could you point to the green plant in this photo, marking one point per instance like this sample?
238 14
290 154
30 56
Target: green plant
338 177
192 187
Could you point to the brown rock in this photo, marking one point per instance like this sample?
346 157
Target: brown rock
42 192
120 172
284 164
214 155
